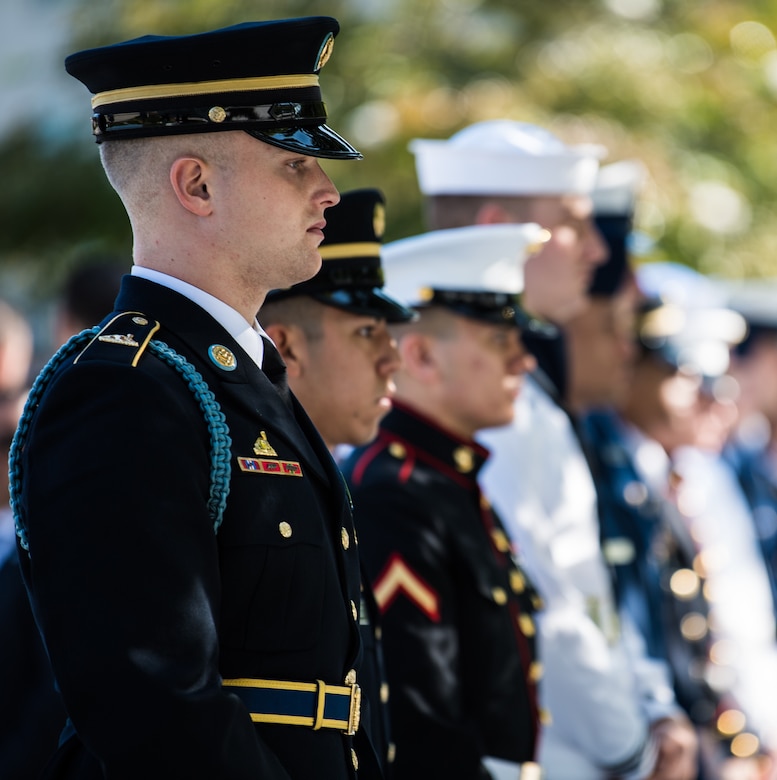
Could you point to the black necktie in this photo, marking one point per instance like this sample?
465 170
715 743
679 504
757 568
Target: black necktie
275 370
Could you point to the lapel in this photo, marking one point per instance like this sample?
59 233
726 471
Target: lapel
190 330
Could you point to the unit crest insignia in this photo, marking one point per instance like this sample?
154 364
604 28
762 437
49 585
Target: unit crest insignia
263 447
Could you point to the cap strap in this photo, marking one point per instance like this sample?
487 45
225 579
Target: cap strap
158 91
346 251
271 114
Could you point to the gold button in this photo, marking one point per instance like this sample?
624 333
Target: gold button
397 450
535 671
694 626
537 602
745 745
546 719
384 692
391 753
344 538
501 542
354 759
527 625
499 595
464 458
731 722
531 771
517 581
378 633
350 678
685 584
354 611
285 529
484 502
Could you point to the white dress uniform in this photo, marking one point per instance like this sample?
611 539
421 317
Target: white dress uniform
742 612
599 688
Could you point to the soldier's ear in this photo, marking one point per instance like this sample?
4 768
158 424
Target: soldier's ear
418 355
189 179
289 341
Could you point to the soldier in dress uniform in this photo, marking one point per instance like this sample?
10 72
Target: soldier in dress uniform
753 447
186 538
607 715
458 611
332 333
680 410
644 539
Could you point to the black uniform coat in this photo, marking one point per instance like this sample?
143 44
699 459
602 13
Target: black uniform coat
143 607
457 628
31 712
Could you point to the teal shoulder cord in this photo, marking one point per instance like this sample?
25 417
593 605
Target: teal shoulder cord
218 431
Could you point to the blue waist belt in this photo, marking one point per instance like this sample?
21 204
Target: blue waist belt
316 704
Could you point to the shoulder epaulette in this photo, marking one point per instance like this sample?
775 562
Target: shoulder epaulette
123 339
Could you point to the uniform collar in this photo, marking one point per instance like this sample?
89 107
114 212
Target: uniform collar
248 335
461 458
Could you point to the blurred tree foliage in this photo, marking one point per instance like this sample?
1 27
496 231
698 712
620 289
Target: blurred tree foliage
686 86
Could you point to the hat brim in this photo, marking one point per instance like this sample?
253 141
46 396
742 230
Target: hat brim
498 316
314 141
368 302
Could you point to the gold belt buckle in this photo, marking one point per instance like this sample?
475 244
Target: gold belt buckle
355 710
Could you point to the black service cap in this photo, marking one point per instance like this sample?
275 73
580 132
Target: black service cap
261 77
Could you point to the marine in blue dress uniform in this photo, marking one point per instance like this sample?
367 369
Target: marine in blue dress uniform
458 611
186 539
332 331
644 539
656 553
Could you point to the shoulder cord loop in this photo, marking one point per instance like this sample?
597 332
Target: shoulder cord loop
218 431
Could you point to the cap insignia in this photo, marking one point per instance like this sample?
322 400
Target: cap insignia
217 114
325 52
542 238
379 220
222 357
263 447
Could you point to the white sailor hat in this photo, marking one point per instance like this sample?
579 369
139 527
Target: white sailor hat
679 284
504 157
617 187
755 300
685 320
475 271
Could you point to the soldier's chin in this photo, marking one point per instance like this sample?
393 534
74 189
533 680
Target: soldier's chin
500 421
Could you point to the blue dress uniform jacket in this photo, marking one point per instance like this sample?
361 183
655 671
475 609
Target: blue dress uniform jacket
646 543
144 608
457 623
